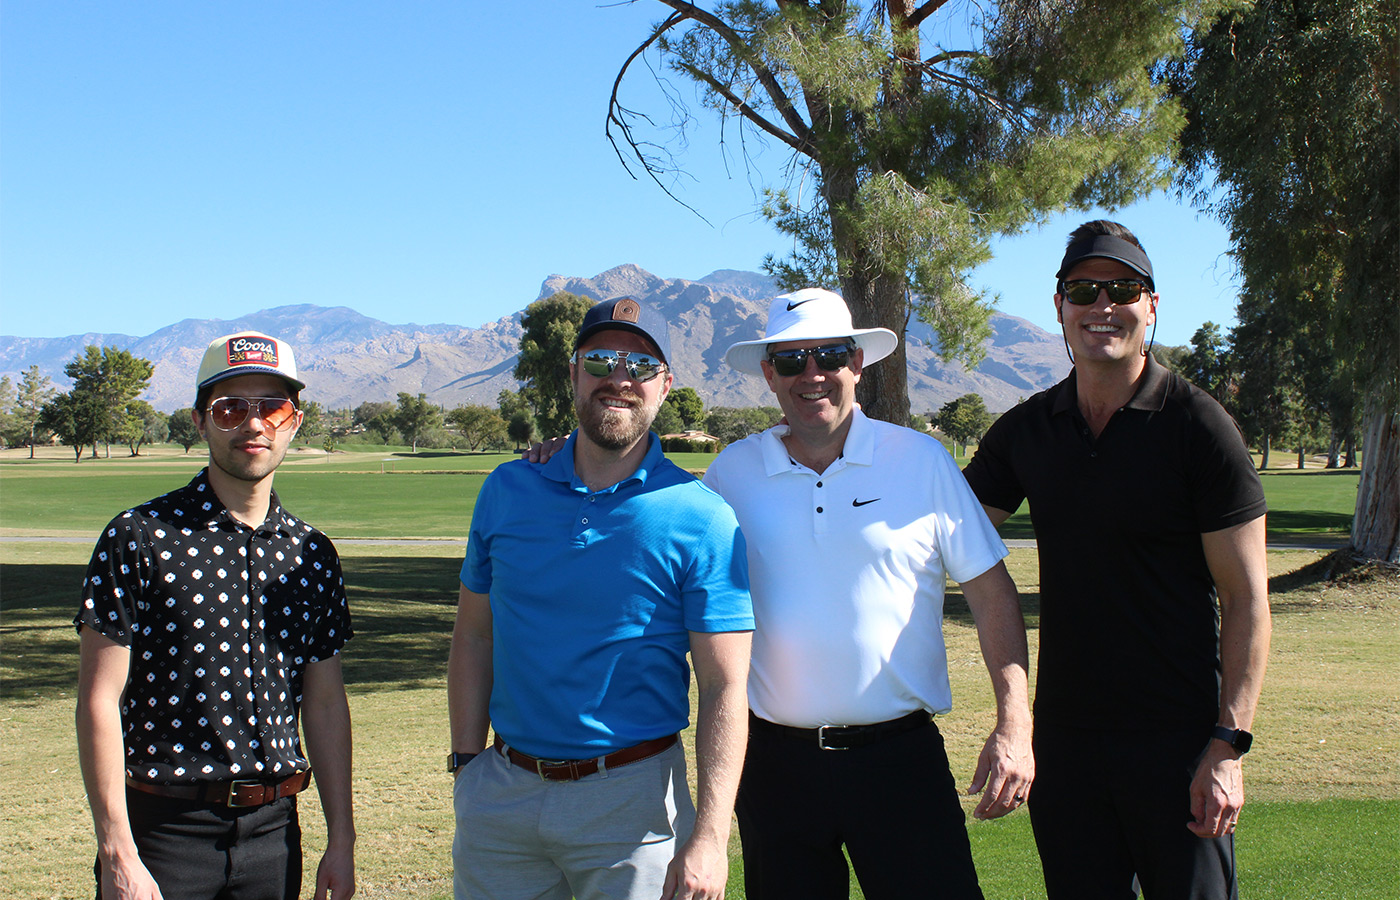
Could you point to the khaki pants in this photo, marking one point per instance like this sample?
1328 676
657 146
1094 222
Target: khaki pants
609 835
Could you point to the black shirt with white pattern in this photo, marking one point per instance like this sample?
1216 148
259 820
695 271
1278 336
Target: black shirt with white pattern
222 620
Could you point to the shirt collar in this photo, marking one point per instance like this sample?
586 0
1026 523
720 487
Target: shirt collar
560 466
859 448
203 493
1151 393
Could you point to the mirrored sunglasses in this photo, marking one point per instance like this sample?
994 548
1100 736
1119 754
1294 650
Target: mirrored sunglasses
830 358
640 367
228 413
1121 291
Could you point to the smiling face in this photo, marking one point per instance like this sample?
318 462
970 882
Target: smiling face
1104 333
614 411
252 451
818 404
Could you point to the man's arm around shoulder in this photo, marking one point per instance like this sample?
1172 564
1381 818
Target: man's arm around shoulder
1236 557
721 663
325 721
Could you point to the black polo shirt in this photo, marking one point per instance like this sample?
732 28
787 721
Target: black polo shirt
1129 627
222 620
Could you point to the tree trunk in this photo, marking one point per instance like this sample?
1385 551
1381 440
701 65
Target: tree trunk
1334 451
1375 529
883 391
1350 461
876 300
1302 456
1264 452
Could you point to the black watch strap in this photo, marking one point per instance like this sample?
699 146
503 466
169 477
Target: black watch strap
456 760
1239 739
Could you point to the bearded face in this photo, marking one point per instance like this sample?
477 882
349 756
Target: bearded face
614 410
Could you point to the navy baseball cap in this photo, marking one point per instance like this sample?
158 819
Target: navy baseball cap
627 314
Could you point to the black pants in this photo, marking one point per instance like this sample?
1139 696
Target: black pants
199 852
892 804
1106 807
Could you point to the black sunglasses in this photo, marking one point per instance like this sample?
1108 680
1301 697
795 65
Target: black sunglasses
640 367
830 358
1121 291
228 413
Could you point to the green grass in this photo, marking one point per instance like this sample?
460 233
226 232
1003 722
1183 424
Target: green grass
1324 792
1311 500
351 494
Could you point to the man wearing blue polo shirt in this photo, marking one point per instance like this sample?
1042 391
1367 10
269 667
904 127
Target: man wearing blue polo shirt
586 581
853 525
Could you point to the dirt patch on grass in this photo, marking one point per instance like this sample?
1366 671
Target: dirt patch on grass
1339 580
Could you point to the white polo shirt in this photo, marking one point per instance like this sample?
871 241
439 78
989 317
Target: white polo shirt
847 569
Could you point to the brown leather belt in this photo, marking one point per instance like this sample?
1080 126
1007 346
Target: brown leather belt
228 793
574 769
845 737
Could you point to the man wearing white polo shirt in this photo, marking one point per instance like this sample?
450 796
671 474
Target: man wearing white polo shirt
852 526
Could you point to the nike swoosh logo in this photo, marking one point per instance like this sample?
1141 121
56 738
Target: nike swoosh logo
864 502
792 306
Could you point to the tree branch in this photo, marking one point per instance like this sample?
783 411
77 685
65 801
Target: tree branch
617 115
747 111
917 17
781 101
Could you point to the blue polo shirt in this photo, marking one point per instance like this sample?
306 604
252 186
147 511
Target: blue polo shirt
593 596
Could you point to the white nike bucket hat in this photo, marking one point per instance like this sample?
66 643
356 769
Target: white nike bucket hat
811 314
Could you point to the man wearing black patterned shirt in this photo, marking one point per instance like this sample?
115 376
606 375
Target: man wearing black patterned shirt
211 621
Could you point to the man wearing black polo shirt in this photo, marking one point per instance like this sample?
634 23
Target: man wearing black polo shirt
211 619
1154 629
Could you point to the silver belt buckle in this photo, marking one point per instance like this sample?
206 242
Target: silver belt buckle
552 763
821 738
234 787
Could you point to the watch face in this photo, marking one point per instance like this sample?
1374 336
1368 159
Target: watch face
1238 739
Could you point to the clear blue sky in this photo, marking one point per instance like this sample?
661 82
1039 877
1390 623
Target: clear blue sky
419 162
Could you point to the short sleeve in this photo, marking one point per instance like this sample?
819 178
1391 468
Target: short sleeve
115 580
715 595
991 474
333 627
476 564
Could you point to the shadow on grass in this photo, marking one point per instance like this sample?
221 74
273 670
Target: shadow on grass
402 609
38 644
1293 522
435 454
955 608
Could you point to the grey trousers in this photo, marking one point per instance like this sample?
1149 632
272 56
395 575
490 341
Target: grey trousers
609 835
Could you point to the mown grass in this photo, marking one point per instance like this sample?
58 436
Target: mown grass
391 493
1325 794
1323 819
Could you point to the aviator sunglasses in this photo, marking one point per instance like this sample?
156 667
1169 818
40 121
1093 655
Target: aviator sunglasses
1121 291
228 413
640 367
830 358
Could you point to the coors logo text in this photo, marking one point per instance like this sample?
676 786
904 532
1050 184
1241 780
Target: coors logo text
248 351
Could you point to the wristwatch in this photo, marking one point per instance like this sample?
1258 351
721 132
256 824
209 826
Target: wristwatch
1238 739
456 760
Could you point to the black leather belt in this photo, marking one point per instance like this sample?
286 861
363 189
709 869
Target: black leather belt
845 737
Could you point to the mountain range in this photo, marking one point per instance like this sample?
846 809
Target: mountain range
347 358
